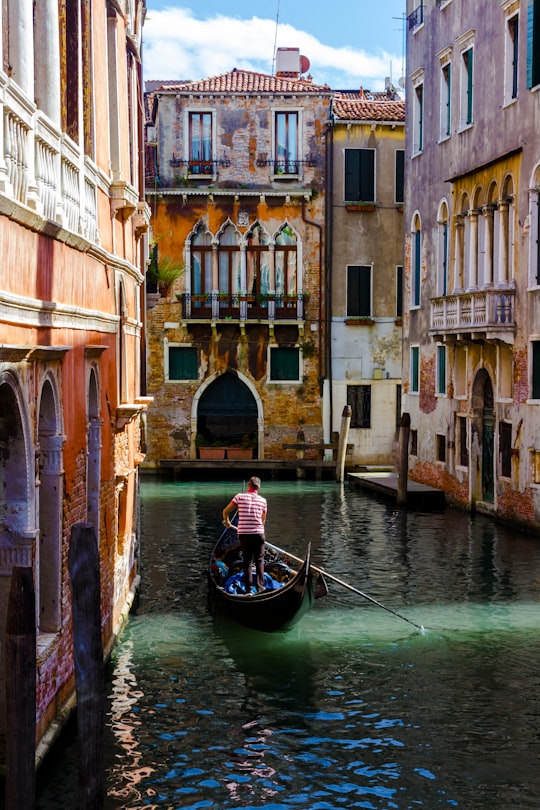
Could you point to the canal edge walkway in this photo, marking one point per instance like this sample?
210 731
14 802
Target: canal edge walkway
385 482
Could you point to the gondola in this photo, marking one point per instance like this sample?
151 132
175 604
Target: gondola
288 595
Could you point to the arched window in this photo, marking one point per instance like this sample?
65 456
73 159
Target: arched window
286 261
506 208
442 249
258 260
416 260
229 260
534 233
201 261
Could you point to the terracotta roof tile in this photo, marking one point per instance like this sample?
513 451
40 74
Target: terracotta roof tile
366 106
243 81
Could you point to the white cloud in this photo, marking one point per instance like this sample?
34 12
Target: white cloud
179 46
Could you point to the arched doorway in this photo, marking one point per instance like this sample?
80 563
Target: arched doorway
483 438
227 411
51 490
17 499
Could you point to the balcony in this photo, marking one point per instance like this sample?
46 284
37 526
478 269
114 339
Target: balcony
482 314
242 307
205 169
46 172
416 19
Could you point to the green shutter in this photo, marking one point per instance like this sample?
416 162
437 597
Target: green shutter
284 364
469 56
367 175
400 175
399 291
352 174
360 175
536 369
183 363
414 369
417 266
359 291
441 368
448 100
533 43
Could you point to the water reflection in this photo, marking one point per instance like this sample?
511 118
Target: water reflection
354 708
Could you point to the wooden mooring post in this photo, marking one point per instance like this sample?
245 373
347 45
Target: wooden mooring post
83 567
343 439
20 662
403 469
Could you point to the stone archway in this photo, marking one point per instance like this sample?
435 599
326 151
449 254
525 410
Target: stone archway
227 411
17 499
482 439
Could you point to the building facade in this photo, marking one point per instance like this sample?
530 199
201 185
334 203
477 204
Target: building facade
366 259
73 246
472 285
236 187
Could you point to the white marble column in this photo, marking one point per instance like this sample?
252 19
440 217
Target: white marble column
488 262
47 59
502 270
458 253
21 44
473 255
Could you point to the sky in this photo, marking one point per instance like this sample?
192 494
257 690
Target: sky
349 43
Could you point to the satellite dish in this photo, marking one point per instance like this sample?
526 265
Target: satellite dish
402 81
304 64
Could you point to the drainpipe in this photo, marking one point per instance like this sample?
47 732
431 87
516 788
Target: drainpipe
329 224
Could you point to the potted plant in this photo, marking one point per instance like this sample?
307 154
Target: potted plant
162 272
209 451
244 452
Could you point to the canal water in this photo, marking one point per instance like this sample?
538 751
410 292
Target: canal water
355 707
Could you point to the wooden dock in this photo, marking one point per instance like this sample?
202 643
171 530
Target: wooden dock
196 469
419 496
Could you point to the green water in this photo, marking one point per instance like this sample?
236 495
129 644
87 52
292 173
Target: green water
354 708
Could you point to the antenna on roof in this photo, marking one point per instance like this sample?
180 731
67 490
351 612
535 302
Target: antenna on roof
275 40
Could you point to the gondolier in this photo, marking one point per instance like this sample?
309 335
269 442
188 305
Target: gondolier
252 510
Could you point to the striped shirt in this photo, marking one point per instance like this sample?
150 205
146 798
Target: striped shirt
251 510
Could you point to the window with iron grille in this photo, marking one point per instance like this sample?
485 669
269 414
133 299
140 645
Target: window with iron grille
414 442
359 398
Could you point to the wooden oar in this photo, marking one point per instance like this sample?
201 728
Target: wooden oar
346 585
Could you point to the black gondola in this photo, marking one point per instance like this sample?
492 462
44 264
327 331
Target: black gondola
288 595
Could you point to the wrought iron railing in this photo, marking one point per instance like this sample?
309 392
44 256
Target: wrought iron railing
241 306
200 167
289 166
416 18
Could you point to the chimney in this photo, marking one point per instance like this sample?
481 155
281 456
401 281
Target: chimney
290 64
